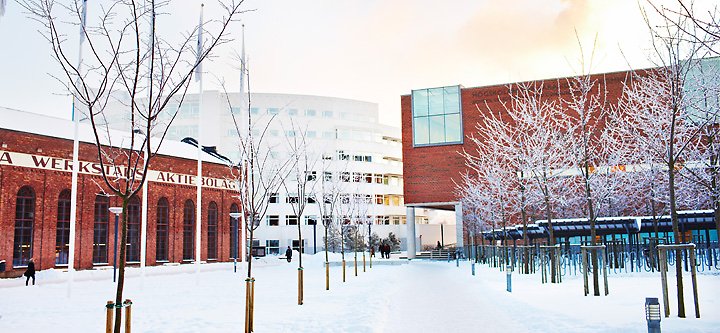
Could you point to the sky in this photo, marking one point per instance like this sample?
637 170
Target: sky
368 50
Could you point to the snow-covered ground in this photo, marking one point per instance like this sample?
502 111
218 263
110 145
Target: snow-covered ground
393 296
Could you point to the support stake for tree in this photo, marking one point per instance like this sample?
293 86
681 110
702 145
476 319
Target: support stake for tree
363 262
662 251
300 286
343 264
327 275
249 304
110 306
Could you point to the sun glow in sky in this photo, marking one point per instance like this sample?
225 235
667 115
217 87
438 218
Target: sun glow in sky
370 50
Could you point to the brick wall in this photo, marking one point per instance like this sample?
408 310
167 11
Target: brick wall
48 184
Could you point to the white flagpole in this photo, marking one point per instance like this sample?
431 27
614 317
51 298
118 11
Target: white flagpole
198 210
76 163
143 218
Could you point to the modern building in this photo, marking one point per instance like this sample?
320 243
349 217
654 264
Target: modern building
36 154
436 123
345 137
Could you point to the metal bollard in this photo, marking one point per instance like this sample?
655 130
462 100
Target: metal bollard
473 268
508 270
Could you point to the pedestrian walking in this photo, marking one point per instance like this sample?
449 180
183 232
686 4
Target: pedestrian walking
288 254
30 272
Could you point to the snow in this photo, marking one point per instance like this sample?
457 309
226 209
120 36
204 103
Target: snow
393 296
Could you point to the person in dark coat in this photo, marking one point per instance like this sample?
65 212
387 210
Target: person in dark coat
30 272
288 254
372 251
439 247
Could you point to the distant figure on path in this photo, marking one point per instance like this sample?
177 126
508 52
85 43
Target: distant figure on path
30 272
288 254
439 247
372 251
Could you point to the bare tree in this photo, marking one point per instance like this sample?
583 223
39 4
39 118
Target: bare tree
300 181
127 56
327 196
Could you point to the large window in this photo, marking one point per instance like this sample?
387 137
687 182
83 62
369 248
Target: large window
437 116
273 220
272 246
188 230
62 236
100 229
162 240
133 231
212 230
234 230
24 220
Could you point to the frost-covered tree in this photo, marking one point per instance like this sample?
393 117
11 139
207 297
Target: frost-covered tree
130 55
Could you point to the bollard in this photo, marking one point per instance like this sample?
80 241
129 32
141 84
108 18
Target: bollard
457 260
508 270
652 314
473 268
110 306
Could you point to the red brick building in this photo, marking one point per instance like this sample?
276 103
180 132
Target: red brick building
432 161
35 182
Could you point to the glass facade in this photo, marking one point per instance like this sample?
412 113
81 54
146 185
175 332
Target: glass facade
437 116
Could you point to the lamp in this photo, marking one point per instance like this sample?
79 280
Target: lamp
235 216
116 211
652 314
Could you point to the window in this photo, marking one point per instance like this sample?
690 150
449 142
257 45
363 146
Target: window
327 114
345 177
24 221
273 220
212 230
327 176
274 198
274 133
437 116
296 245
272 246
62 238
328 135
311 134
188 230
290 134
254 111
292 112
291 219
358 158
162 238
310 175
132 248
367 158
310 198
342 156
378 179
356 177
273 111
310 113
292 199
368 178
327 157
311 220
379 199
100 229
234 230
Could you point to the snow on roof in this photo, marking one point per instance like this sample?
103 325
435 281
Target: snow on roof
35 123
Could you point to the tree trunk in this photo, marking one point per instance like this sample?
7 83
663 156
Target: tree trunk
676 232
121 267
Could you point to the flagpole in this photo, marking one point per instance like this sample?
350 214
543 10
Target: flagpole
198 217
76 163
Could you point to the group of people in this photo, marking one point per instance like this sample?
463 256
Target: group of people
384 251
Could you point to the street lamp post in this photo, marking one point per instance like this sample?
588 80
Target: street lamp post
116 211
235 216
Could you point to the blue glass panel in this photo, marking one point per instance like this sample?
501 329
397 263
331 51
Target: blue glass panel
451 97
435 101
420 103
453 128
437 129
420 131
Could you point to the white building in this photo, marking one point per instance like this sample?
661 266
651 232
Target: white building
345 136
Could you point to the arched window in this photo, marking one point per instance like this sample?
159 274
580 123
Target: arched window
212 230
62 238
161 241
24 221
133 230
234 232
100 229
188 230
